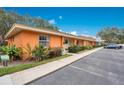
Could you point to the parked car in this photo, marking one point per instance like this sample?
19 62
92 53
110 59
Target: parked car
113 46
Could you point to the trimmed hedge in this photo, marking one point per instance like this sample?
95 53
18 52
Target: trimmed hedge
75 49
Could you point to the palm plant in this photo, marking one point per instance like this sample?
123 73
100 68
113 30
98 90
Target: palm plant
4 49
40 52
28 50
12 51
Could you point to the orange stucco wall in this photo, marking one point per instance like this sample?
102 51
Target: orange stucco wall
27 37
32 38
93 43
83 42
22 39
10 41
89 43
15 40
75 42
62 39
56 41
72 41
86 43
80 43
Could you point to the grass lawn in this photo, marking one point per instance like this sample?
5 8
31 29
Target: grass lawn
20 67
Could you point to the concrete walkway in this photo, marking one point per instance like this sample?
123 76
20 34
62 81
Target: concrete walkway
28 75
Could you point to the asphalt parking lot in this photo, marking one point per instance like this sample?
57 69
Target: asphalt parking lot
104 67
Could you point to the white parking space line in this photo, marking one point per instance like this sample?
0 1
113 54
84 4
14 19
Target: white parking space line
81 69
112 79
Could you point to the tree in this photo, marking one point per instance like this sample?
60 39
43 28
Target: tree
121 37
8 18
110 35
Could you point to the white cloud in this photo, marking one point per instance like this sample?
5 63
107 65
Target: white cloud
60 17
74 32
52 21
60 30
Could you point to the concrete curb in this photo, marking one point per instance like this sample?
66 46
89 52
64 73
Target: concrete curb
28 75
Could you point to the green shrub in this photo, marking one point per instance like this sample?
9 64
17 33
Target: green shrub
29 50
4 49
83 48
54 52
89 47
40 53
12 51
74 49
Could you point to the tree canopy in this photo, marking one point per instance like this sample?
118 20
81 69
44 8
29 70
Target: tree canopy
112 35
8 18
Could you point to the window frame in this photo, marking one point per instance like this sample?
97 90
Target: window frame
44 40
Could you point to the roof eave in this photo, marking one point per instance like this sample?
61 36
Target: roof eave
23 27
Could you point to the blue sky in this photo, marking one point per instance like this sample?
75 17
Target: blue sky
78 20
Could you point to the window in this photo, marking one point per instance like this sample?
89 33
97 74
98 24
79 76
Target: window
44 40
66 41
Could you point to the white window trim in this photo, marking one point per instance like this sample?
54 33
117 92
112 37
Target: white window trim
46 42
